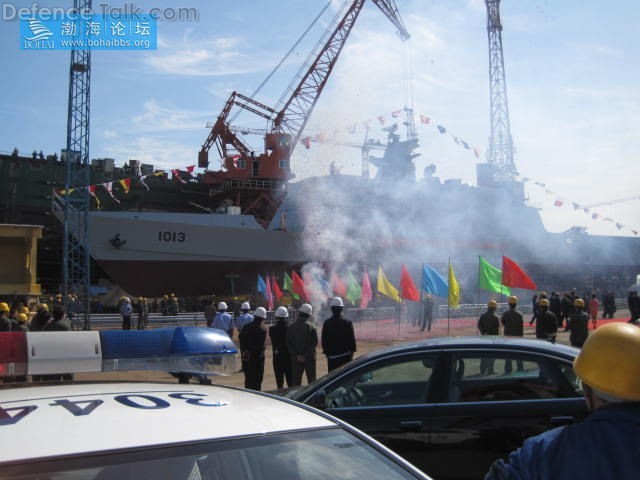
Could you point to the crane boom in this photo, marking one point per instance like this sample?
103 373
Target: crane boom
289 122
297 110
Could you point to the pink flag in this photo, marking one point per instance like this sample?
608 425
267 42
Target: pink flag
269 295
366 290
381 119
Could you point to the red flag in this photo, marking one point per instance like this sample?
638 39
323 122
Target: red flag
176 175
306 141
298 286
191 168
366 295
558 203
269 294
275 289
514 276
424 119
338 286
396 113
408 289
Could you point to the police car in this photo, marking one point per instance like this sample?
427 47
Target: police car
69 430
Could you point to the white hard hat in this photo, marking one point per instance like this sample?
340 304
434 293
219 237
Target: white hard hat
260 312
222 306
282 312
306 308
126 299
245 306
337 302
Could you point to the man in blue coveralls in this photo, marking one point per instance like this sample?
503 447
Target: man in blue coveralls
607 443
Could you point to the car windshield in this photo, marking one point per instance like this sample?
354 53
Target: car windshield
309 455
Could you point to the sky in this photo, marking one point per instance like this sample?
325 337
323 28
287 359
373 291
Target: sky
572 73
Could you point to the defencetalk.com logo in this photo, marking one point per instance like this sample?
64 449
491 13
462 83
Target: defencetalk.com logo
38 30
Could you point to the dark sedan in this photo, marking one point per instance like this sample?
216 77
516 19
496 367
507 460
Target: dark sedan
452 406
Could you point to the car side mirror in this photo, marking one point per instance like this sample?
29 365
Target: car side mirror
318 400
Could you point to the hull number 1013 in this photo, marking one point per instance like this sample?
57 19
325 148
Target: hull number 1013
171 236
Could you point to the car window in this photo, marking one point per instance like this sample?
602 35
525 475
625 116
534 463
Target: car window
502 376
574 381
398 381
284 456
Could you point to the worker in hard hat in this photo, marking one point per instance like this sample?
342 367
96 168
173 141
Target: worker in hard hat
337 338
41 318
281 357
164 305
513 326
173 306
22 324
243 319
222 320
604 445
6 323
302 340
143 313
578 324
489 324
546 322
252 339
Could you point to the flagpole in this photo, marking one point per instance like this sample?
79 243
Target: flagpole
420 320
479 273
449 302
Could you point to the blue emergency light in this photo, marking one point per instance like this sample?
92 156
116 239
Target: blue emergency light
174 349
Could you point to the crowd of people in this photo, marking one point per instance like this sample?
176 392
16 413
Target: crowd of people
293 343
18 317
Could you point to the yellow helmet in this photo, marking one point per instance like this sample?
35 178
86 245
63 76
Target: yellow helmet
166 297
43 305
578 302
513 300
23 317
609 359
543 302
492 304
140 299
24 310
4 307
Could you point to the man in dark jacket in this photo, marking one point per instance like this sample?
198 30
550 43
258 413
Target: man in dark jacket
597 447
338 337
546 323
60 322
578 324
512 323
281 357
252 338
302 340
489 324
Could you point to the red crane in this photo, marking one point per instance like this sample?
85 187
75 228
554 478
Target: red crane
288 123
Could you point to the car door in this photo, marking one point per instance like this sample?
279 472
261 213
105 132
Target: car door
388 399
493 400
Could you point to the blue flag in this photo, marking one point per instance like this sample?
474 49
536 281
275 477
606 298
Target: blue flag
262 287
433 283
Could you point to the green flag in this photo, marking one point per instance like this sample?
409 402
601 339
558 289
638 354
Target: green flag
288 285
354 292
491 278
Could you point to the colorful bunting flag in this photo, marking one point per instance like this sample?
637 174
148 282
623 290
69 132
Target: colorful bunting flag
386 288
367 295
558 203
381 119
441 129
454 290
306 141
261 287
269 294
143 183
109 187
288 286
514 276
92 192
354 291
298 287
424 119
126 184
275 289
490 278
397 113
337 285
433 283
408 289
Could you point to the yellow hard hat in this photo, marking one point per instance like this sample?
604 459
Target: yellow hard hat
23 317
140 299
42 305
24 310
610 361
4 307
59 295
543 302
492 304
578 302
513 300
166 297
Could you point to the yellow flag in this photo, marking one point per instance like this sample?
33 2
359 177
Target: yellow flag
126 184
454 290
385 287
